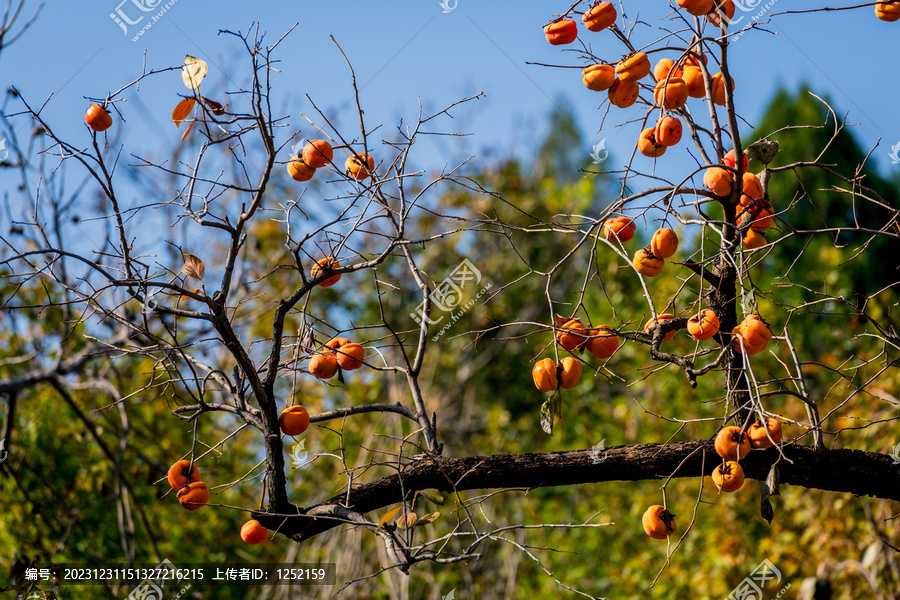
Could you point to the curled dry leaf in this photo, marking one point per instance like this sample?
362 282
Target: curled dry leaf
215 108
547 416
193 72
193 267
427 519
407 521
182 110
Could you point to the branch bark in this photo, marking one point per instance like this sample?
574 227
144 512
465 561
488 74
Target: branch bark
848 471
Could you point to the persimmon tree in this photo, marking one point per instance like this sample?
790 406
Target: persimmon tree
239 340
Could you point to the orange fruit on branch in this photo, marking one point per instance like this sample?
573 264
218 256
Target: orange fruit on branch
299 170
323 365
599 16
349 355
664 242
651 325
693 79
570 372
193 495
646 263
359 166
182 473
703 325
719 181
728 477
697 8
98 118
887 11
293 420
671 93
544 375
561 32
254 533
623 93
572 335
658 522
647 144
765 436
753 240
668 131
731 444
323 266
603 343
599 77
318 153
713 16
634 67
619 229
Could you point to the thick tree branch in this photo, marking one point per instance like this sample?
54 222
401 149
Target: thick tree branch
849 471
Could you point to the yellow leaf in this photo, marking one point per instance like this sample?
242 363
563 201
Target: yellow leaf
193 72
193 267
182 110
387 517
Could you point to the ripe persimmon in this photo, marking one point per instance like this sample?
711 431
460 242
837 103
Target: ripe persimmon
98 118
324 265
765 436
179 475
318 153
561 32
193 495
254 533
600 16
544 375
293 420
728 477
658 522
731 444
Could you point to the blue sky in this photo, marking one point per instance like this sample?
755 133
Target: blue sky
403 51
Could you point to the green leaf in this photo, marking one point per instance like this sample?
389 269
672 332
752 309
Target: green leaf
433 498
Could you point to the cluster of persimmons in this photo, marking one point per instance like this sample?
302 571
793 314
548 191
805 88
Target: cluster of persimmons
675 81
